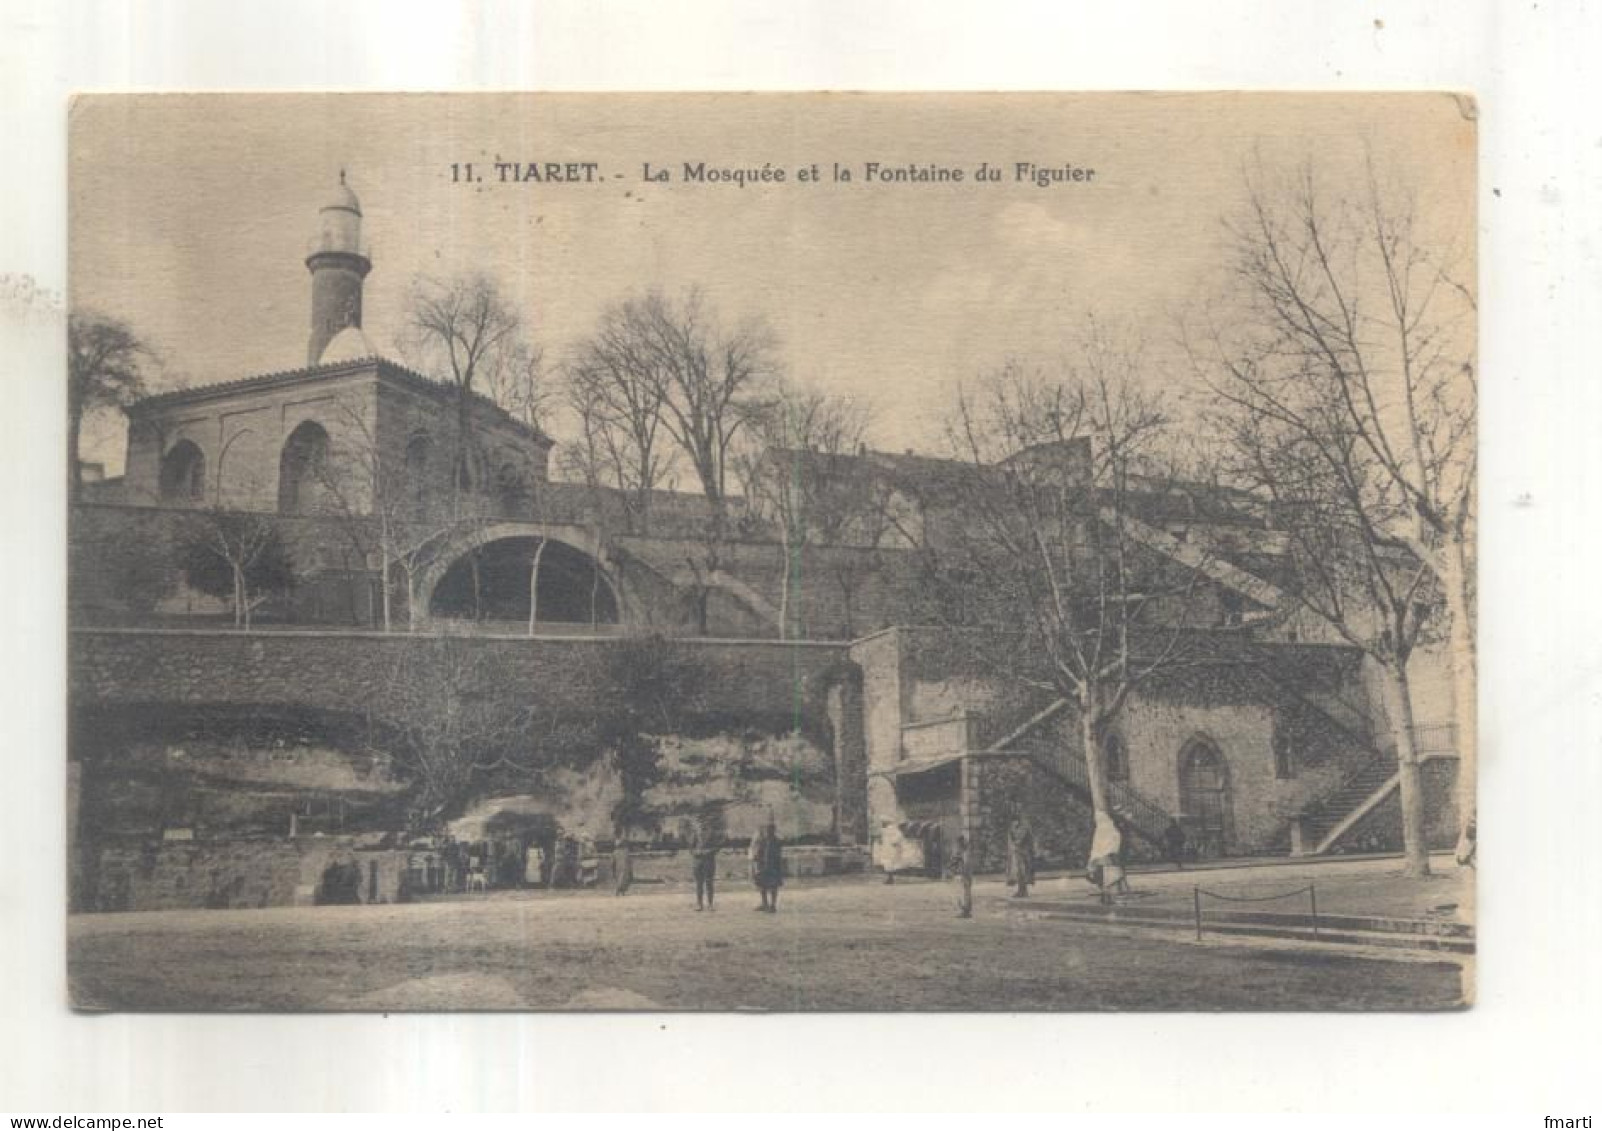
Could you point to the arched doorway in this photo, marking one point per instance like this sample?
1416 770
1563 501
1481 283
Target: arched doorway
419 453
492 583
183 473
1204 797
302 469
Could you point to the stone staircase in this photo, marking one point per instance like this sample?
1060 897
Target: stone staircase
1323 824
1326 819
1318 828
1137 813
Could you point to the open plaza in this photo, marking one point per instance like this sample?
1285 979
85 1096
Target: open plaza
848 943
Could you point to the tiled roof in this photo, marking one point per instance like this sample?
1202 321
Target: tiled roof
387 369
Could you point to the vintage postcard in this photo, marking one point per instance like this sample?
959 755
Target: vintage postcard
779 552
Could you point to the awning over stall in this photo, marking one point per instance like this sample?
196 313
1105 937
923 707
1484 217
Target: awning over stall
915 766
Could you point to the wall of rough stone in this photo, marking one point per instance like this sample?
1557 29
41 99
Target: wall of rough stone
233 874
124 567
752 680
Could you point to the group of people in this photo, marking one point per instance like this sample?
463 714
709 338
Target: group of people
1105 869
1020 865
443 864
765 856
571 862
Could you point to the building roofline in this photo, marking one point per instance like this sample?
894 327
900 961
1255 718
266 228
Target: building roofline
383 368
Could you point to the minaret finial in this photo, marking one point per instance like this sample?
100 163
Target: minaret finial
341 174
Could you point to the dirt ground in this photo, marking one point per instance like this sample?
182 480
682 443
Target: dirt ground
856 945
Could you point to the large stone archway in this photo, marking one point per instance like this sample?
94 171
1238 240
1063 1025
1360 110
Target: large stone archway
506 550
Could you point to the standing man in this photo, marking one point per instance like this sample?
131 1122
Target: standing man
704 861
1020 856
767 865
622 866
1174 843
959 866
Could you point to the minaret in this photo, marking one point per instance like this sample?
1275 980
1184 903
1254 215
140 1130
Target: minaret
338 264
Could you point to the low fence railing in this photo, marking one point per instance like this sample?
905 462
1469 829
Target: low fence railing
1310 891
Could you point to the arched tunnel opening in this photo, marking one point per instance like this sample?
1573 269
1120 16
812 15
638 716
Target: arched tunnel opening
492 583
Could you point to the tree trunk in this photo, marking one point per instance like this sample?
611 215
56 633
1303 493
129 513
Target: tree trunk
784 589
383 582
534 586
1465 681
239 597
1095 770
1415 849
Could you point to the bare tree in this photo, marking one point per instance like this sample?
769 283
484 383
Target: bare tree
515 379
465 330
383 511
449 721
714 378
1353 330
802 476
659 380
106 367
617 393
237 556
1052 542
661 373
1339 509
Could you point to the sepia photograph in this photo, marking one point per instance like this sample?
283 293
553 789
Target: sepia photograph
777 552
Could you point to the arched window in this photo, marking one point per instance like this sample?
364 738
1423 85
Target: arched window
1204 796
512 497
302 469
419 449
1116 758
183 473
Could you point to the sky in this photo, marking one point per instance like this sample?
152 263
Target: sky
190 218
